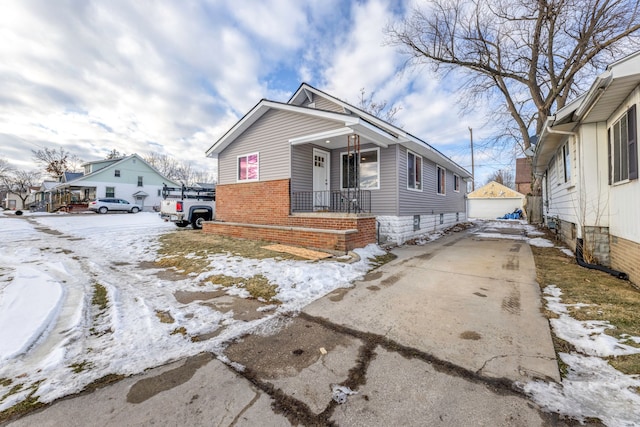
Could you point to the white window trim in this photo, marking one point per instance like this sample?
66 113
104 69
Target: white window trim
454 182
421 172
566 149
438 167
238 180
610 129
344 153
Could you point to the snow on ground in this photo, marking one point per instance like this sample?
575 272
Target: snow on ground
54 340
592 387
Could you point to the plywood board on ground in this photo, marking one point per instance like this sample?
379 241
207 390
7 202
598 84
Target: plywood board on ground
301 252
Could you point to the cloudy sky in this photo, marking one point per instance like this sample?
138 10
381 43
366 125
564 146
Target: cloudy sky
171 77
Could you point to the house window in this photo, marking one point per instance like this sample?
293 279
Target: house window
110 192
248 167
456 183
414 171
116 173
159 192
566 162
139 181
623 148
361 170
441 218
441 182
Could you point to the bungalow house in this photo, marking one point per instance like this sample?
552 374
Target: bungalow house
319 172
587 158
130 178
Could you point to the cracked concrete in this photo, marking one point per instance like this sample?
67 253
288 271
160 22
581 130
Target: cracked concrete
437 337
458 304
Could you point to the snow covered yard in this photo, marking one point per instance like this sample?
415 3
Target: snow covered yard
591 386
76 304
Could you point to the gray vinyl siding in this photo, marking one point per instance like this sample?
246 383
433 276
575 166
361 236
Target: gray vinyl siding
324 104
269 136
302 166
427 201
384 200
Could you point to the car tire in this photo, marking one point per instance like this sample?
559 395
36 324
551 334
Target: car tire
196 223
103 210
182 224
135 210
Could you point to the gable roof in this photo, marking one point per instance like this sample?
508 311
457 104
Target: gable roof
604 96
495 190
70 176
113 166
354 119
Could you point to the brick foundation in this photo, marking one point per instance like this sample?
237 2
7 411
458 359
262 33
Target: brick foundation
261 211
625 257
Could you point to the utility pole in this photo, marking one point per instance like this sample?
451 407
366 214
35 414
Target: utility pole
473 173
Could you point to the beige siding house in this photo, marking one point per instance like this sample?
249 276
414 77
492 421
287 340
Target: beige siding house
587 157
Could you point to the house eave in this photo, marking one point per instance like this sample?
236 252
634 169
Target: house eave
260 109
550 140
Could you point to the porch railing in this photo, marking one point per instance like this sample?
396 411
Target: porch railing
348 201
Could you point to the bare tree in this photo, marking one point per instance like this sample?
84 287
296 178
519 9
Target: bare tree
180 171
114 154
5 168
380 109
19 182
504 177
54 161
167 166
527 57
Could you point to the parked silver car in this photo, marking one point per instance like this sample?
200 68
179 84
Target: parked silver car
111 204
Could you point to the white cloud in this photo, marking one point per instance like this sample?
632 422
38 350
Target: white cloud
174 76
362 60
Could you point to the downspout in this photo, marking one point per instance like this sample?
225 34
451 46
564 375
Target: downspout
581 262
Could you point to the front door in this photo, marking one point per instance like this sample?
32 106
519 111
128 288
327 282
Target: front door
321 169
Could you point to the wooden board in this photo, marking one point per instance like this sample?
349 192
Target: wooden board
301 252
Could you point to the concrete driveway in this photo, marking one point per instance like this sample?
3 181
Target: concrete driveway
439 337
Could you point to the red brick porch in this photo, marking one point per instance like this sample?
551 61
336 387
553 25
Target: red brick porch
261 210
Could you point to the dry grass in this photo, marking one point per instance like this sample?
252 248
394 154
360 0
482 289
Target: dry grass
187 252
164 316
100 297
610 299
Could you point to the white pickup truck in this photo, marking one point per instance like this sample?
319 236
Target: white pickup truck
188 205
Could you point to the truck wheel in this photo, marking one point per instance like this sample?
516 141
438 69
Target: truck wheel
182 224
197 222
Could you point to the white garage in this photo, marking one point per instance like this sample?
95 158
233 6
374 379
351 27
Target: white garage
493 200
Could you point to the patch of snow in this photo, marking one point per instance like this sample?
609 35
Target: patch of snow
568 252
29 305
499 236
592 387
540 242
60 258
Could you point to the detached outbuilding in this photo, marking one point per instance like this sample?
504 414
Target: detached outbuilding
493 200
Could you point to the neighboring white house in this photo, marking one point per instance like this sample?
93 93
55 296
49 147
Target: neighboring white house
493 200
129 178
587 158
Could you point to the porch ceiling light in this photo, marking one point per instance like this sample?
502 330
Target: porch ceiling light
328 141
